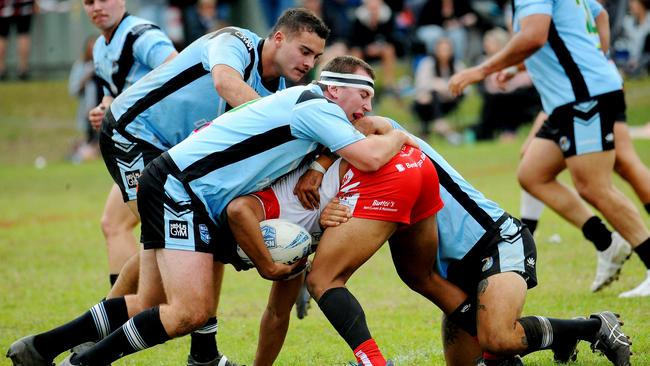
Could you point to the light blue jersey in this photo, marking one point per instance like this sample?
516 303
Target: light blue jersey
136 47
570 67
467 218
179 97
248 148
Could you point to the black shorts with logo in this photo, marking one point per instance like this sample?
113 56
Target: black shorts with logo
510 247
585 127
124 155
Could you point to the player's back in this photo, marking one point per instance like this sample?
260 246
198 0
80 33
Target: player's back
178 97
248 148
571 65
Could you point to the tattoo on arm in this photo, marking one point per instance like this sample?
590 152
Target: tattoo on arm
482 287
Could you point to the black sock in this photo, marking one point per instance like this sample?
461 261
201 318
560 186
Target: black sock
112 278
643 251
544 333
531 224
465 316
95 324
140 332
596 232
647 207
346 315
203 347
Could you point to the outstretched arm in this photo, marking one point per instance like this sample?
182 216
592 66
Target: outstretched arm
531 37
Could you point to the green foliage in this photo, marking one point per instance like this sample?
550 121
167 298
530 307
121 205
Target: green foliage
54 261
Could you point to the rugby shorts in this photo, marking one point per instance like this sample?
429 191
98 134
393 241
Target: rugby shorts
405 190
167 223
125 156
585 127
23 24
510 247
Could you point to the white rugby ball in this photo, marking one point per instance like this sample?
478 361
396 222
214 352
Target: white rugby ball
286 241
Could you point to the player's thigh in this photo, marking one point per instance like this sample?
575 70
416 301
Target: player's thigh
460 348
542 162
187 277
283 295
501 298
116 212
414 248
626 155
343 249
593 170
150 290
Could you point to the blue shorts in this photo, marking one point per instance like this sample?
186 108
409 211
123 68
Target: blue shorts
586 127
510 248
125 156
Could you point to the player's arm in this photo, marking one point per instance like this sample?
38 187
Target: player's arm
602 24
371 153
244 216
96 115
231 87
531 37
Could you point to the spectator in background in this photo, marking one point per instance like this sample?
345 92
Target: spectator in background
445 17
497 116
371 39
636 28
84 85
433 101
18 12
272 9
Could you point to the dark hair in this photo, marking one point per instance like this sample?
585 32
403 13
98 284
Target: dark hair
452 59
294 21
348 65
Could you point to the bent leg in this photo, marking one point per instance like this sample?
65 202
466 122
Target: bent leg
628 164
118 223
537 174
591 174
275 320
459 347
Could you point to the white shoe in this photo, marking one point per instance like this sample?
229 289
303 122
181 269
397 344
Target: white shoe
642 290
610 262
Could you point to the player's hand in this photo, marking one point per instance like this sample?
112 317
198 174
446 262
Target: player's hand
307 189
410 141
503 76
281 271
334 214
463 79
96 115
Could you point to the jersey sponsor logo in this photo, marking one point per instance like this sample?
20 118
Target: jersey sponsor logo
178 229
268 233
347 177
247 41
565 143
131 178
204 233
400 168
487 263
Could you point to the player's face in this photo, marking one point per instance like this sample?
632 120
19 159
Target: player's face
354 101
104 14
297 53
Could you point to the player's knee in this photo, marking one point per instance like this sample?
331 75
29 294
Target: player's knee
315 285
189 319
526 181
236 208
496 342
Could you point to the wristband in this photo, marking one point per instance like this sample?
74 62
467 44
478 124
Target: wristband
317 167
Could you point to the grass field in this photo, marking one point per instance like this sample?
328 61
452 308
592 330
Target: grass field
54 262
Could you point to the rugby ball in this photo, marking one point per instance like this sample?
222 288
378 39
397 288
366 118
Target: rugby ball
286 241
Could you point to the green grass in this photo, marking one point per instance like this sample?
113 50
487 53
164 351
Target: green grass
54 262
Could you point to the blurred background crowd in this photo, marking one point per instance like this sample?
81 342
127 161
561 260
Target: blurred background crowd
415 45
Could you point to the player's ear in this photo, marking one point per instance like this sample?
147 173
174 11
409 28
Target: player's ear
278 37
